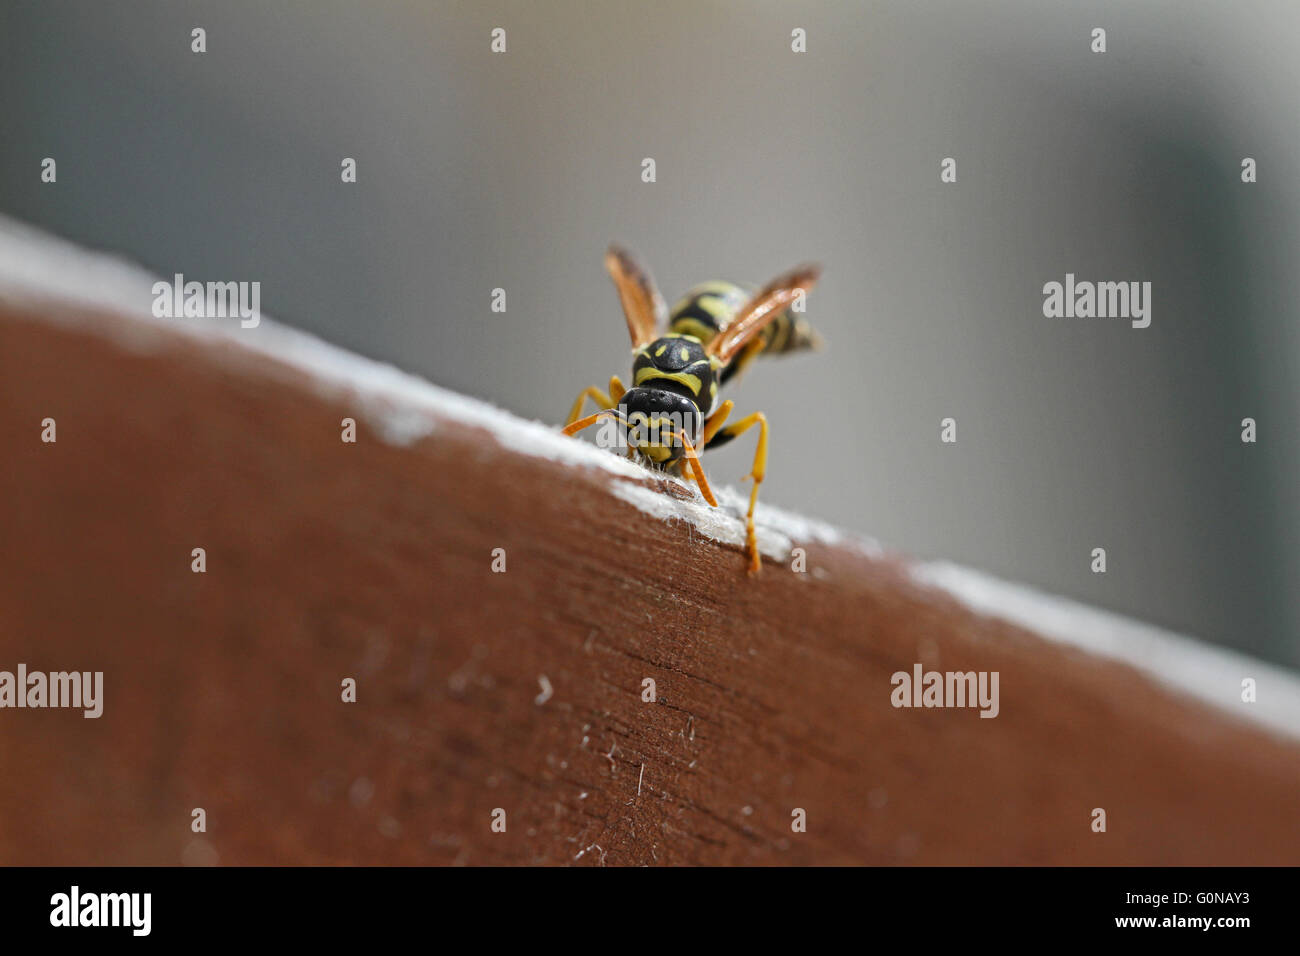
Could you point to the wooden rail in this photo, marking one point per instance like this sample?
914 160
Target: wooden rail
525 690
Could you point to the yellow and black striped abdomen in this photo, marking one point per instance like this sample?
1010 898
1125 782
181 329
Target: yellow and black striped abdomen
706 310
709 308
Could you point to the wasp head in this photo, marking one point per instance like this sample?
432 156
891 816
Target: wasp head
656 419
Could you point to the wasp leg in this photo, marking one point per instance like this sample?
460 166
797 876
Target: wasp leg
592 392
688 450
737 366
692 458
603 399
757 474
711 425
714 422
578 424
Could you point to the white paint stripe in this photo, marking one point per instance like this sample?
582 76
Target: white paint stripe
1210 673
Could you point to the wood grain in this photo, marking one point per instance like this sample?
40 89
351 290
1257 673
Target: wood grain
328 560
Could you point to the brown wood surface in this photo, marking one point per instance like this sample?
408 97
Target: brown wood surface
328 560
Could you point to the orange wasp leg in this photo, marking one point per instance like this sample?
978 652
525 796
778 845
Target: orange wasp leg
757 474
689 453
606 400
693 459
714 422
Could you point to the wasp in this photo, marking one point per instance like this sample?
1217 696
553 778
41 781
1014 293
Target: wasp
671 413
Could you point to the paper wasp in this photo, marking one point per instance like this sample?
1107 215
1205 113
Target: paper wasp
671 413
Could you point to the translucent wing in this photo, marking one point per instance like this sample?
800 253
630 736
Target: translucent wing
762 308
642 305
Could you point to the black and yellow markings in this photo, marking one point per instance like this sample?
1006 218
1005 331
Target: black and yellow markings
690 454
713 333
777 335
710 307
706 309
652 435
651 374
678 362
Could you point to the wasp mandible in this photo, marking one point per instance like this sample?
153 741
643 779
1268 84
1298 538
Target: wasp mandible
671 413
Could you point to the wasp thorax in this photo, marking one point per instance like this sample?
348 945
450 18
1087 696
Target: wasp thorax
656 421
678 364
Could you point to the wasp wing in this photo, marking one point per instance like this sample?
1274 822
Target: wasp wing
773 299
642 305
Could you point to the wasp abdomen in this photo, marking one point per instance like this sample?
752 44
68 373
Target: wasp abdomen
709 308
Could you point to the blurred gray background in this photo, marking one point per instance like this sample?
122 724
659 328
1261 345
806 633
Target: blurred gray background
479 170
